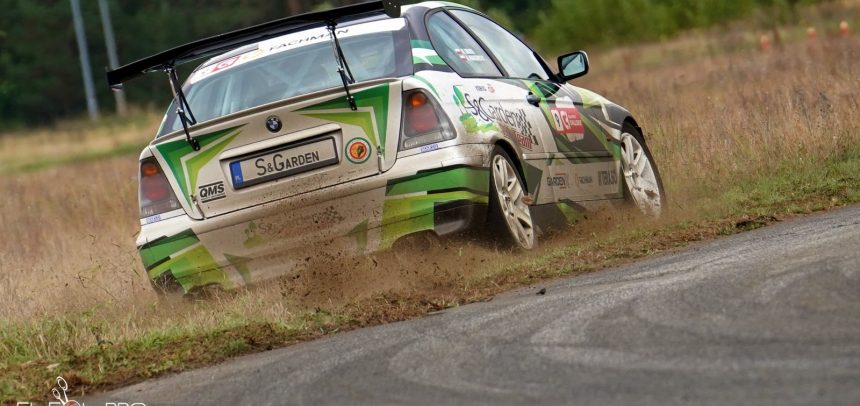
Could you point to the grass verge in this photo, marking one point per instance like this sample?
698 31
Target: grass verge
35 353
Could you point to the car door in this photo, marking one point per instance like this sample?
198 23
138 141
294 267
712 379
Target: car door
487 99
576 147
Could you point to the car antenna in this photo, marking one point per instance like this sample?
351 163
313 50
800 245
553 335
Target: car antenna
183 109
342 67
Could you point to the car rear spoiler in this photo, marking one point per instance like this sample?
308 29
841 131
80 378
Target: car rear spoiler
167 60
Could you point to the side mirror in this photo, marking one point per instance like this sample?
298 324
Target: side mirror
573 65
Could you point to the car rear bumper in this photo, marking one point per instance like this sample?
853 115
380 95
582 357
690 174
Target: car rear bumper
443 191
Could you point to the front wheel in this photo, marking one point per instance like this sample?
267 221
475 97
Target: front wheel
508 210
643 186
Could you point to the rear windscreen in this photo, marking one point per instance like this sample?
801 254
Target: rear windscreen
293 65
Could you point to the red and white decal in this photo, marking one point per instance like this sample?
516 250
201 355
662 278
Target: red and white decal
225 64
567 121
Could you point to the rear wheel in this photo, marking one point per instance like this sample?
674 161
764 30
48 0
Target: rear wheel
509 214
643 186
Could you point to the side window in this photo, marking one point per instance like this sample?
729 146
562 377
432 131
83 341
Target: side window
459 50
517 58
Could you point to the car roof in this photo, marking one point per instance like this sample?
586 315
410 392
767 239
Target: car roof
427 5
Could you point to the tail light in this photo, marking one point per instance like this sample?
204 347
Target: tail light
156 196
424 123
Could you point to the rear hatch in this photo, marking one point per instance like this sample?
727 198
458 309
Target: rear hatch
275 121
284 149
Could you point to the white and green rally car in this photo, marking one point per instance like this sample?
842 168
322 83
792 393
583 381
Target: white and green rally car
354 127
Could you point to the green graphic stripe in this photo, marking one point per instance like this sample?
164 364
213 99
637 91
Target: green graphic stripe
174 151
570 214
476 179
423 52
601 136
196 163
407 215
193 268
418 43
161 250
429 59
359 232
589 98
338 110
241 265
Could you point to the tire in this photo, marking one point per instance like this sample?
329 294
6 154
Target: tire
643 186
509 217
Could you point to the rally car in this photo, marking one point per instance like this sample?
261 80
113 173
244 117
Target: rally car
354 127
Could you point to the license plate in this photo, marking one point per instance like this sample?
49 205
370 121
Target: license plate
283 162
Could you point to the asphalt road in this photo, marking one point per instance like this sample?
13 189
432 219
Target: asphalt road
767 317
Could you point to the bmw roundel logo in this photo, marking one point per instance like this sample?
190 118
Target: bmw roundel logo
274 124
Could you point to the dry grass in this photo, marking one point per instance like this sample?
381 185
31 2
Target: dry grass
715 119
723 126
73 141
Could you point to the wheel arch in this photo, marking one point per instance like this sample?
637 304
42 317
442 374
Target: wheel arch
632 121
515 157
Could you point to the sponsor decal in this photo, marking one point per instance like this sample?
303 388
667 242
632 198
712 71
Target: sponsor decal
287 161
253 238
358 150
225 63
567 121
309 38
211 192
561 181
470 122
607 178
152 219
514 123
585 180
186 164
298 40
485 89
279 163
524 141
469 55
428 148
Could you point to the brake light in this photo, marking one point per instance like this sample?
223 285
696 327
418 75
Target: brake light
156 196
421 121
154 188
421 116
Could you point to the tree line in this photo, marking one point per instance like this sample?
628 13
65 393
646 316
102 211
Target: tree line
40 77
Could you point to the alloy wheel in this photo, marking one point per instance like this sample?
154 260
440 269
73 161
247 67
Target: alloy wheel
513 208
640 177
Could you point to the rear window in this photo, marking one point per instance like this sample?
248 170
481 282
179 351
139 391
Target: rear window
293 65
